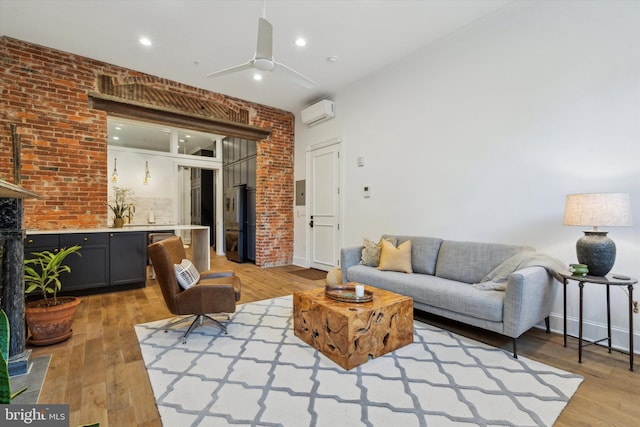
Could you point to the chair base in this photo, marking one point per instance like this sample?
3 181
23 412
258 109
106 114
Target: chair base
198 321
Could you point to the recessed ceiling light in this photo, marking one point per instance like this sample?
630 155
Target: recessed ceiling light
116 138
257 76
301 42
118 128
332 58
145 41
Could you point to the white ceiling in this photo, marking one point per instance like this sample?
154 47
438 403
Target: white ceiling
192 38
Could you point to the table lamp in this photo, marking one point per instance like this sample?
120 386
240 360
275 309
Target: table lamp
595 249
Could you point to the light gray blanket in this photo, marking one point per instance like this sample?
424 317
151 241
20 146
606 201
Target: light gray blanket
496 280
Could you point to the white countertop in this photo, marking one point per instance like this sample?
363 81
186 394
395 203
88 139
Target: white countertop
126 228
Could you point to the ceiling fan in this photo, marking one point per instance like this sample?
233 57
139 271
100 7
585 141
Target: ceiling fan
263 59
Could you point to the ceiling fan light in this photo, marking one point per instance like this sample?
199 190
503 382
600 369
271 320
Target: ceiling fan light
264 64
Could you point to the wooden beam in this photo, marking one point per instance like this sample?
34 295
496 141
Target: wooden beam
126 108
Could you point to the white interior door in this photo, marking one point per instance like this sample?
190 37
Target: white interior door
324 206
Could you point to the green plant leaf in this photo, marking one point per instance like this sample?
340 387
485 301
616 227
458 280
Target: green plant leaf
4 334
5 385
42 273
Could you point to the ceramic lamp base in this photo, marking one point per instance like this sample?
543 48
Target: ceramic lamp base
597 251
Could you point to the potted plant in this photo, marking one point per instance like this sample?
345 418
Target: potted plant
122 206
49 319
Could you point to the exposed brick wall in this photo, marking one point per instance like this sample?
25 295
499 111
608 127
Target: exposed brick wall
64 144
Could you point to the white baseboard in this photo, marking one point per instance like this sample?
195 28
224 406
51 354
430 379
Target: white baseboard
301 262
594 331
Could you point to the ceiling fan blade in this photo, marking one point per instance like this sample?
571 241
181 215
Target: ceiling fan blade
264 48
295 76
231 70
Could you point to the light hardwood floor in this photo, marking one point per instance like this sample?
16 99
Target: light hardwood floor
99 371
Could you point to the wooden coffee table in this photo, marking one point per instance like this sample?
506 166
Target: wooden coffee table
352 333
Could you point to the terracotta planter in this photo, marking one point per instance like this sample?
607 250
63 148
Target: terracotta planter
50 325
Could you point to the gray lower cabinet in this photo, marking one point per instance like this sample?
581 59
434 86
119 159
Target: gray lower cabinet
128 258
90 269
40 243
107 260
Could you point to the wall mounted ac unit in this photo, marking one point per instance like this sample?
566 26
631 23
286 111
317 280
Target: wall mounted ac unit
318 112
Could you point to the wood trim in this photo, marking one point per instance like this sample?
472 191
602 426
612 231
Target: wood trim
132 109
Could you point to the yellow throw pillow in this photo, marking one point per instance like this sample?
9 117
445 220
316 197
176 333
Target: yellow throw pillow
396 259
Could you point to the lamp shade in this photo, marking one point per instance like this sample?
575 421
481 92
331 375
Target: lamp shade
595 249
598 209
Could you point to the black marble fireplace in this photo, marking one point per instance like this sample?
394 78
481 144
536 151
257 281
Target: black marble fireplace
11 262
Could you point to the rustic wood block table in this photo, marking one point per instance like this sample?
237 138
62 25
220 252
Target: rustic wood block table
352 333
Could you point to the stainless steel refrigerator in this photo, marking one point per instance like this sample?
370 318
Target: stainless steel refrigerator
235 216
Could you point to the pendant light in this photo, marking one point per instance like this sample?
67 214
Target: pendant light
147 175
114 174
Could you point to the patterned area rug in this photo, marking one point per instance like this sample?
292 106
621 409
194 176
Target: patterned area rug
261 374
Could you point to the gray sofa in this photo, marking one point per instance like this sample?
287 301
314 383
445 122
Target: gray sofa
444 272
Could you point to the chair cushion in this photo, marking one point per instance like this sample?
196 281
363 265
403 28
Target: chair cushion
186 274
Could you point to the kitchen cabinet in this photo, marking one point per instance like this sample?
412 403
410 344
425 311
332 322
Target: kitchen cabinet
127 258
112 258
40 243
90 269
107 261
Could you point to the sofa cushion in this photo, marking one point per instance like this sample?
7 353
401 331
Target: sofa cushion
395 259
458 297
469 262
445 294
424 252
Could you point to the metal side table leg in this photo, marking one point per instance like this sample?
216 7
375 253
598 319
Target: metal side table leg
608 319
581 286
630 288
564 301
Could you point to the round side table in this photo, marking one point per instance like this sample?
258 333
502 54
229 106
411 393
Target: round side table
608 281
